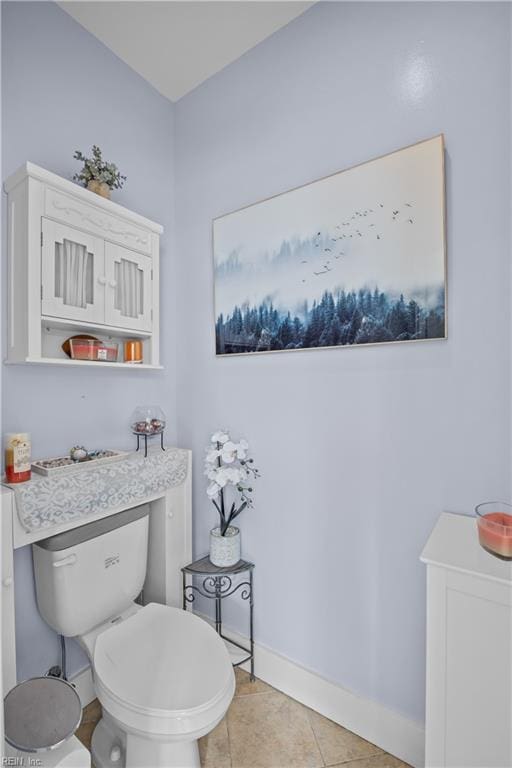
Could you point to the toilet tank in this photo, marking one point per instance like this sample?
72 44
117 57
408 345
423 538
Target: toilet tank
92 573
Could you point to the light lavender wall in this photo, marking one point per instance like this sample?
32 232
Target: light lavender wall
360 449
63 90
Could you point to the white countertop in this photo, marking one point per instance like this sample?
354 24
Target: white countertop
454 544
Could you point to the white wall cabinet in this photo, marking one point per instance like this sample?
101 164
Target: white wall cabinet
77 262
469 650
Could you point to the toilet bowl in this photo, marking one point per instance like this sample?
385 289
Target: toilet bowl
162 675
164 679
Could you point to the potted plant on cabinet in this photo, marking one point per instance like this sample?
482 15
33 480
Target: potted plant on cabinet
97 175
228 466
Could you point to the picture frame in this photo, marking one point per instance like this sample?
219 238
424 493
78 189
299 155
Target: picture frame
356 258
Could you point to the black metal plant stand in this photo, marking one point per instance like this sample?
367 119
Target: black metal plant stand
145 436
217 584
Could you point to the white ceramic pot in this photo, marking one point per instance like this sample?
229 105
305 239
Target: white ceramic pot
225 550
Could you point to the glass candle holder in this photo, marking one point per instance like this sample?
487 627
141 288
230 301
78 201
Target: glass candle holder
494 520
147 420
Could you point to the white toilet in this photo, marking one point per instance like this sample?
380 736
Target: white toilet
163 676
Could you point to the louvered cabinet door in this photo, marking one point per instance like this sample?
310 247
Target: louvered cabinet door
72 273
128 288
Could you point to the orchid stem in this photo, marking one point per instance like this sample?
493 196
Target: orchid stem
223 526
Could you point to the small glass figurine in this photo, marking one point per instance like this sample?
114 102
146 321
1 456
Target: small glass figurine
148 421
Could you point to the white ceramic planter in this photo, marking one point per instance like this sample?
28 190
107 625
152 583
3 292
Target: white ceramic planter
225 550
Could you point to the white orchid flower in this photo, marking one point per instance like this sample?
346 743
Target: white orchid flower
213 490
228 454
221 477
212 455
226 464
220 437
241 449
233 475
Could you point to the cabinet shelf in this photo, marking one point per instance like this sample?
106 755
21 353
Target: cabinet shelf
82 363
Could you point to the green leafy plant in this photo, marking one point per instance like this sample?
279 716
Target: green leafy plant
95 168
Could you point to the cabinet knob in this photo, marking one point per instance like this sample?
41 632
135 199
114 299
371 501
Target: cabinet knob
112 283
102 280
7 581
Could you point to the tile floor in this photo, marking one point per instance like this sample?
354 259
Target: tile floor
266 729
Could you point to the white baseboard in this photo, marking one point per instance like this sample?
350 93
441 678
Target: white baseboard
84 686
389 730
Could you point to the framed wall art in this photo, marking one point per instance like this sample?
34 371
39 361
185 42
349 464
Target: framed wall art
355 258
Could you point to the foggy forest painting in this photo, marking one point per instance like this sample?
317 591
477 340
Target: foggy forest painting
355 258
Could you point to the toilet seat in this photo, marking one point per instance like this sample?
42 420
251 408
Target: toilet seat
165 672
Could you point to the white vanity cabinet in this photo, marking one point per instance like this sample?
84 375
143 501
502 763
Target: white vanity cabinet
469 650
77 263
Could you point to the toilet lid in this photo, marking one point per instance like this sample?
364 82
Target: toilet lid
163 659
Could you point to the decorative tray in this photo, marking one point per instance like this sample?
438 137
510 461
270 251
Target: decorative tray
62 465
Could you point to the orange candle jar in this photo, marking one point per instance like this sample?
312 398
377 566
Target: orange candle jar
494 520
133 351
17 457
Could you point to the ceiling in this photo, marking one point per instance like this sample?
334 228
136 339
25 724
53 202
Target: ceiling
176 45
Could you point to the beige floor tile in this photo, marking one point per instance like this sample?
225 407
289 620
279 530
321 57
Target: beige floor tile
84 733
338 745
377 761
91 713
244 685
271 731
214 748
